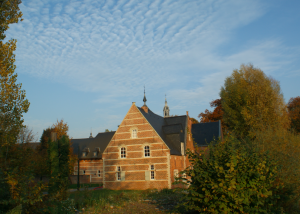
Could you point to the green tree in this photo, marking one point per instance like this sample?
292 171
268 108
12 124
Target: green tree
231 177
252 101
58 153
284 147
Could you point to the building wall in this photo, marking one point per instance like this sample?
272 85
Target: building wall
135 165
91 168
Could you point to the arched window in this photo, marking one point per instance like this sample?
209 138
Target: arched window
123 152
147 151
134 133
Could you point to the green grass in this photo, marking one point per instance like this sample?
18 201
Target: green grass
74 186
103 200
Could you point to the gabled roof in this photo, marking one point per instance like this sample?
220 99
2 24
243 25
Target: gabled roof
204 133
93 144
171 129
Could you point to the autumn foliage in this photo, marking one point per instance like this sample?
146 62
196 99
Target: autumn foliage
252 101
294 113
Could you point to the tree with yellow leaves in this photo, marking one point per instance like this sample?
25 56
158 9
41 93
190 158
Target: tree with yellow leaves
252 101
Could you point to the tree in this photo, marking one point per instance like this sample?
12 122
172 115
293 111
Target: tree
58 153
231 177
252 101
12 98
284 147
194 121
294 113
61 129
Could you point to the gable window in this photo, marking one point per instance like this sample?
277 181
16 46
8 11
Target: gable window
99 173
147 151
152 172
134 133
123 152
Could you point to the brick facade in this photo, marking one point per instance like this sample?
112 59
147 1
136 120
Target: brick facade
134 171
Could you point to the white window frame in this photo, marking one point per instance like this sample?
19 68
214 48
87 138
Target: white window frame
134 133
152 172
118 173
123 152
147 153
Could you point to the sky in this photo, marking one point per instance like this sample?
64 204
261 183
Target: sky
86 61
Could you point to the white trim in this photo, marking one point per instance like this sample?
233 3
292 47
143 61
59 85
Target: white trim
138 158
139 164
140 145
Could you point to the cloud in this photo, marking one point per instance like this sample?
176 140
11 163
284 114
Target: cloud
94 46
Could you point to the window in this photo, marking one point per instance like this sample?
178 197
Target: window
99 173
123 152
118 173
147 151
83 154
95 154
152 172
134 133
84 172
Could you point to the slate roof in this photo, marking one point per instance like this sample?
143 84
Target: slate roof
170 129
204 133
91 145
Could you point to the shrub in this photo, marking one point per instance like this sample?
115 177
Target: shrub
231 177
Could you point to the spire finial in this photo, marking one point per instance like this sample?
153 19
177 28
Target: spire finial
166 108
91 135
144 97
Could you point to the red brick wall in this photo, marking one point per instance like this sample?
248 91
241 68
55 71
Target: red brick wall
91 168
135 164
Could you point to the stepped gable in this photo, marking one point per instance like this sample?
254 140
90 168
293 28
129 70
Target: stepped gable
204 133
170 129
100 141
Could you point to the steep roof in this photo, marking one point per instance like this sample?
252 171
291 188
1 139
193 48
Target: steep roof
204 133
91 145
170 129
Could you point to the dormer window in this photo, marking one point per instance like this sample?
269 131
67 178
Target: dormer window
134 133
95 154
83 154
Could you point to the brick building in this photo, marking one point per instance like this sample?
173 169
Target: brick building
147 150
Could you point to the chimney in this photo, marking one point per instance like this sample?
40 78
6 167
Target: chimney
133 103
187 113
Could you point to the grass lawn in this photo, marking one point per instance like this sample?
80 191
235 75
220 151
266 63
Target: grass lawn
126 201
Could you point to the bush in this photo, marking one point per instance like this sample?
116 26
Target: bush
231 177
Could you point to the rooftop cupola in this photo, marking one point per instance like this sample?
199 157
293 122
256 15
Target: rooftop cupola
144 107
166 108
